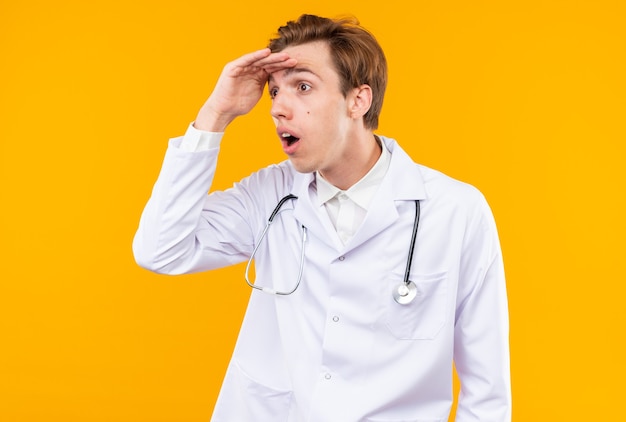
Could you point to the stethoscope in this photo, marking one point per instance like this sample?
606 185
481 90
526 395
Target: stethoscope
404 293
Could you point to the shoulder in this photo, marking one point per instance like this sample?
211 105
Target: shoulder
446 196
274 175
269 184
434 183
439 184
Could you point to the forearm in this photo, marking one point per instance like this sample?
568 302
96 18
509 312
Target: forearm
165 236
482 352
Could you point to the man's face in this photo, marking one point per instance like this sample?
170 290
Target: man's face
311 114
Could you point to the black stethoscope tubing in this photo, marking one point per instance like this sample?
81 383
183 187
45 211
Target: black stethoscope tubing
280 204
406 292
416 224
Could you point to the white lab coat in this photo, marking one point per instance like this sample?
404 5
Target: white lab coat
340 349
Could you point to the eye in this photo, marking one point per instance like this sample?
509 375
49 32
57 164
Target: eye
304 87
273 92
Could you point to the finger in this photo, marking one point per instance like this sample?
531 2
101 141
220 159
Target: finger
266 65
272 58
259 60
279 65
251 58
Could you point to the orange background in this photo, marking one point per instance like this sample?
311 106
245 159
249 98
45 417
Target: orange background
524 99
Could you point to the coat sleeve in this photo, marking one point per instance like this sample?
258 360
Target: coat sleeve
481 350
183 229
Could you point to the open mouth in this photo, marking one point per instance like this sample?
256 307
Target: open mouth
289 138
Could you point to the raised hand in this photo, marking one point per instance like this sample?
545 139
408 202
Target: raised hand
239 88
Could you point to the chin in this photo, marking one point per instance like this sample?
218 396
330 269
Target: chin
300 166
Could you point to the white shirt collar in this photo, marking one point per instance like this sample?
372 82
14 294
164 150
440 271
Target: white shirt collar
363 191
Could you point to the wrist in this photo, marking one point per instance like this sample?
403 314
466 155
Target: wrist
211 121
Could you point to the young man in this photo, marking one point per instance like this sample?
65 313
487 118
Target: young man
375 274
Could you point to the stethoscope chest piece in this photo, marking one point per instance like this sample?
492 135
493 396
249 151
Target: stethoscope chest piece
405 293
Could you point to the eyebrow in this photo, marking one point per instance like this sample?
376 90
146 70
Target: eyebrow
295 70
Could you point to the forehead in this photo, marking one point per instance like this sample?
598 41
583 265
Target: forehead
316 51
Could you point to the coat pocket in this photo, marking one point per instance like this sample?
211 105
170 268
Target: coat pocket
261 402
425 316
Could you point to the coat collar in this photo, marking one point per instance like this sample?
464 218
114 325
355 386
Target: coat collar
403 182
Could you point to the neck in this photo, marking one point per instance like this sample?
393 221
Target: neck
355 165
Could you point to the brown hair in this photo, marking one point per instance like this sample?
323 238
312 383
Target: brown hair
357 56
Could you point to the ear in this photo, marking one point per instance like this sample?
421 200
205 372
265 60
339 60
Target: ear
360 101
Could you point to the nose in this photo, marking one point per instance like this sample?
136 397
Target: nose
281 107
